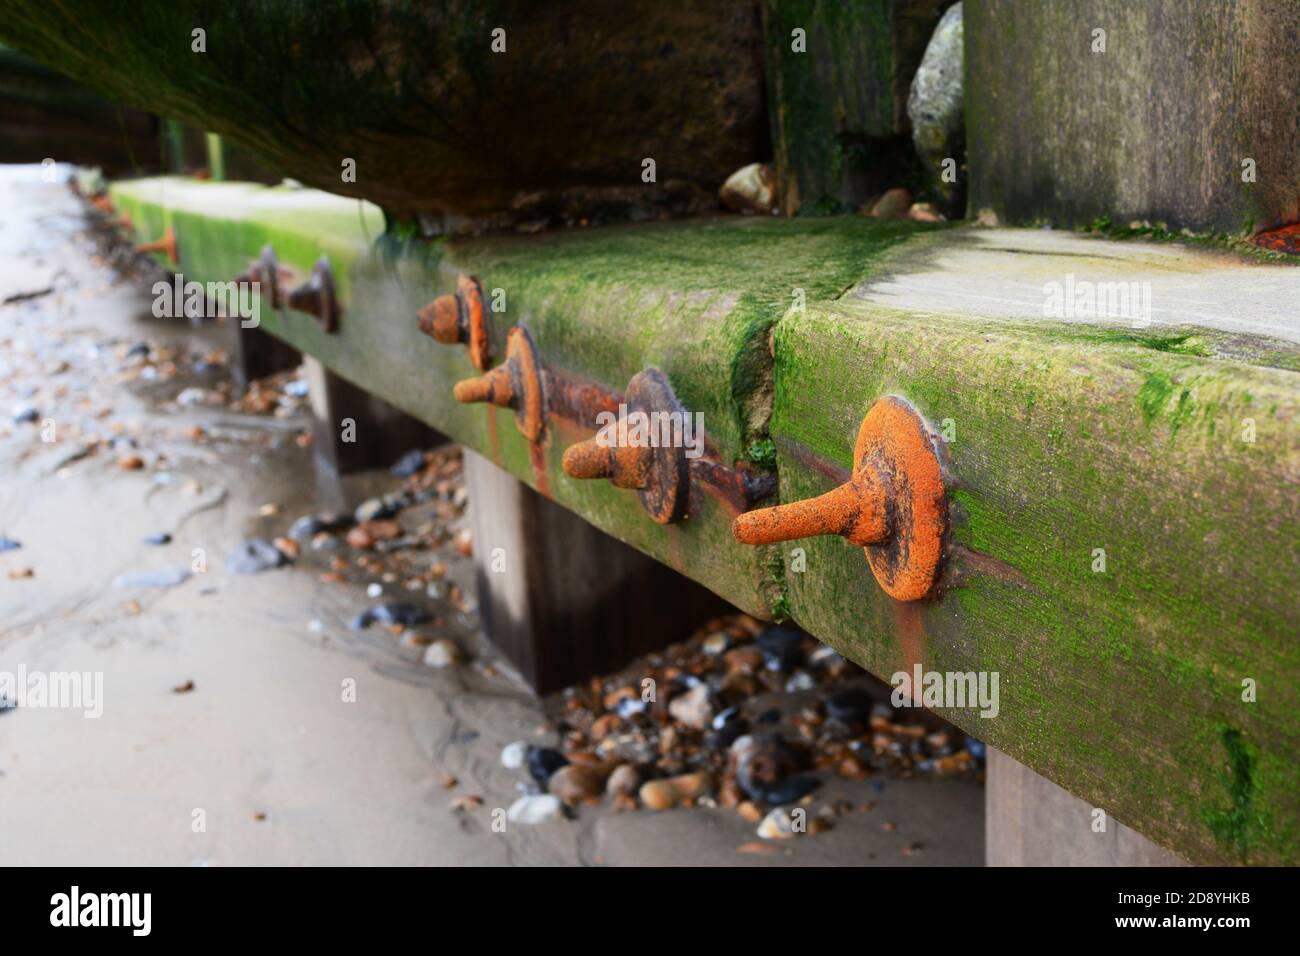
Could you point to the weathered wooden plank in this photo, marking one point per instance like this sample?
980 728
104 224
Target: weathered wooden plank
838 75
472 109
1079 109
1124 685
697 300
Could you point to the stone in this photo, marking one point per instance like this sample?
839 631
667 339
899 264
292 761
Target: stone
374 509
8 544
778 825
892 205
392 612
623 781
751 189
254 556
161 578
534 809
782 648
159 538
25 414
409 464
543 762
514 754
442 653
935 106
694 708
308 526
578 783
664 794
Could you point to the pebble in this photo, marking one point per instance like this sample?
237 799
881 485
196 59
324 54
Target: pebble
623 781
751 189
777 825
533 809
308 526
578 783
288 547
514 754
782 648
161 578
392 612
851 707
544 761
893 204
716 644
162 537
442 653
374 590
409 464
664 794
25 413
728 726
8 544
694 708
254 556
374 509
799 682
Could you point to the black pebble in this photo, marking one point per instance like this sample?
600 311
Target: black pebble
782 648
542 762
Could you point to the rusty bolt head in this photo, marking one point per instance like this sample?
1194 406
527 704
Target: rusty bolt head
316 296
460 318
516 383
440 320
659 474
895 504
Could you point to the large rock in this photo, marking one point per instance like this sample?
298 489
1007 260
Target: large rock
1156 127
935 107
555 126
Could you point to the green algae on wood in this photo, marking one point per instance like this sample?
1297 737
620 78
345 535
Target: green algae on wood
697 300
1116 683
838 106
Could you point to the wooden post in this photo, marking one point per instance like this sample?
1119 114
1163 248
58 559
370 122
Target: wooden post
562 600
353 430
1030 821
256 354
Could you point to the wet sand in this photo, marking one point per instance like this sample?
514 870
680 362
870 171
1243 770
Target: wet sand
284 770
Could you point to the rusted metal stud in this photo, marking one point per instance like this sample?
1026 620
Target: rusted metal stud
660 473
166 244
515 383
460 318
894 505
316 296
270 276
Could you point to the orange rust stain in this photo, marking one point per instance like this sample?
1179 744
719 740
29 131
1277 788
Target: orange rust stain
911 633
537 455
894 505
1285 239
494 440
